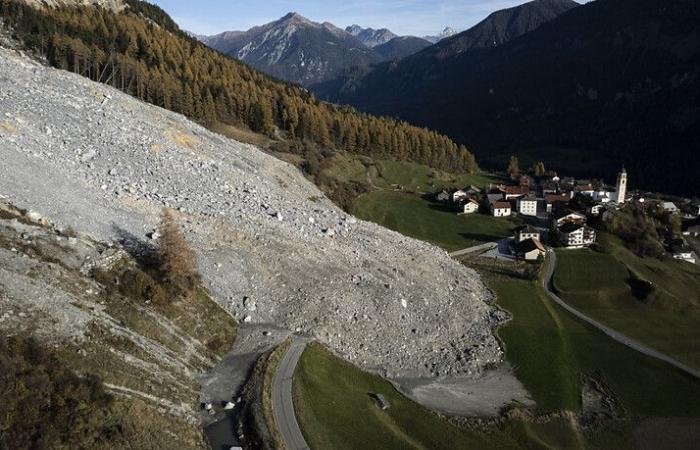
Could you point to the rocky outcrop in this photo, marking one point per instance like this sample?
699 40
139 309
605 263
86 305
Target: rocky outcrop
271 247
114 5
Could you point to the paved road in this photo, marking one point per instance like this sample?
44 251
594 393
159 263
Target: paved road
282 402
621 338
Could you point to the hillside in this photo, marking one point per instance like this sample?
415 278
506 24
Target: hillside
142 52
272 249
401 47
105 366
609 82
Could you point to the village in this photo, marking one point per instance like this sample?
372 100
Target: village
559 212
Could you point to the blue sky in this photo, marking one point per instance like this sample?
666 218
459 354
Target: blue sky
414 17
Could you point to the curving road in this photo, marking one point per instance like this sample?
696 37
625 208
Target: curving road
282 402
619 337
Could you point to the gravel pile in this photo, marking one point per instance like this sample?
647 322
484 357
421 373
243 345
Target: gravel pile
271 247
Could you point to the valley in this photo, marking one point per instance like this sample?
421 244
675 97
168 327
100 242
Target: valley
203 244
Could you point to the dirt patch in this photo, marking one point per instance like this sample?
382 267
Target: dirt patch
8 128
183 140
485 396
598 403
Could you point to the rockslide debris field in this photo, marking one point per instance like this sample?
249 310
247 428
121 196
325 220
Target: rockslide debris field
271 247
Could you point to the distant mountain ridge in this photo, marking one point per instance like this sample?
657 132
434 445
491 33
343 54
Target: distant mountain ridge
371 37
608 82
422 64
299 50
295 49
446 33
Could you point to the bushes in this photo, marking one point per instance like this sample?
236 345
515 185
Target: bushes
133 283
47 406
178 262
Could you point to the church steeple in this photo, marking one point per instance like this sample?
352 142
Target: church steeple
621 192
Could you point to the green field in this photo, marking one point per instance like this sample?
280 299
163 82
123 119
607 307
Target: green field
335 411
432 222
386 174
425 179
611 287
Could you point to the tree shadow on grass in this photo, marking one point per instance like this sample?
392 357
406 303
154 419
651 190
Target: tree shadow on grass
443 207
480 237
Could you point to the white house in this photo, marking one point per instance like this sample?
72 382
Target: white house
602 196
670 207
568 217
501 209
527 206
526 232
471 206
530 250
459 195
596 209
575 235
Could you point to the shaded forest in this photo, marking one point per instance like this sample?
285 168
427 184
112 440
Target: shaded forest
45 405
142 52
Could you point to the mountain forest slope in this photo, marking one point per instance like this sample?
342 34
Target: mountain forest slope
614 81
142 52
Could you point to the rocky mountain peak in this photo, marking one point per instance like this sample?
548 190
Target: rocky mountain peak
369 36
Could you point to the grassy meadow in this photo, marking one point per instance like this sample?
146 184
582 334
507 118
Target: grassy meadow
432 222
335 410
654 301
399 203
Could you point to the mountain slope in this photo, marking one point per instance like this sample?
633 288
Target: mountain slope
401 47
502 26
369 36
609 82
444 34
296 49
498 28
272 249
